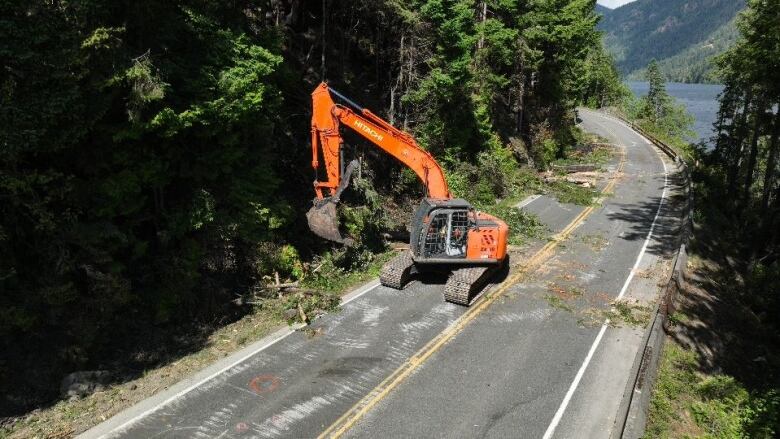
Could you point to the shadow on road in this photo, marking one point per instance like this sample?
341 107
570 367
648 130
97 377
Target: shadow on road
639 217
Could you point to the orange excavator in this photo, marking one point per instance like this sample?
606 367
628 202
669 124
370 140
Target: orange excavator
447 234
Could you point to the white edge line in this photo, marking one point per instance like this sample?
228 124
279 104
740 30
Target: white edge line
278 336
528 200
359 292
573 387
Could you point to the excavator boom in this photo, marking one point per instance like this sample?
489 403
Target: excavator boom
326 143
327 117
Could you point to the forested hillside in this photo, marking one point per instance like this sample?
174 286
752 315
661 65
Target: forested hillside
696 64
682 35
155 163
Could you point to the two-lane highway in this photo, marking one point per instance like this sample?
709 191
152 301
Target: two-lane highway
533 358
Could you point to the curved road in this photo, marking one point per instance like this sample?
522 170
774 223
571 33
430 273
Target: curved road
535 357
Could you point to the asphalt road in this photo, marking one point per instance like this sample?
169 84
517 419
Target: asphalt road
536 359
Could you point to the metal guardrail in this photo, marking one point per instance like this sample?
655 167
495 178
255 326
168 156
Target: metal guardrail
633 411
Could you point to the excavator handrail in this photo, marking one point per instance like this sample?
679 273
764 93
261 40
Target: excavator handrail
349 101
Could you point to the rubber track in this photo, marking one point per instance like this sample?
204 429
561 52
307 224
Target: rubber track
397 271
462 282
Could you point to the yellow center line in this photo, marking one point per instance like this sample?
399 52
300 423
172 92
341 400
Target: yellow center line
357 411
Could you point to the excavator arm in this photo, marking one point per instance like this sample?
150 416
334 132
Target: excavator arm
326 139
326 143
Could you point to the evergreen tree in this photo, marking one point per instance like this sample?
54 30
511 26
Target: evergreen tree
657 99
600 83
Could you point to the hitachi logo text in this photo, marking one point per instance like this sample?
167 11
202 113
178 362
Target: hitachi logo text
368 130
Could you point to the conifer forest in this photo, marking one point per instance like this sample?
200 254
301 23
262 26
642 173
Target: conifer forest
155 159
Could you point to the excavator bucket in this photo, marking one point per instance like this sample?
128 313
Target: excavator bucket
323 218
324 222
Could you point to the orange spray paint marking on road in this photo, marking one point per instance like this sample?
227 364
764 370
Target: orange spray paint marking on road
241 427
264 383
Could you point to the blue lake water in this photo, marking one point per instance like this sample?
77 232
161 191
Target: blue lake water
701 100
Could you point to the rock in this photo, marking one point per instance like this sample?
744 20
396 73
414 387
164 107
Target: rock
83 383
290 314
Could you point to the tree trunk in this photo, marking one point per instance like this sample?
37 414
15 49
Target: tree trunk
482 18
398 82
751 164
771 162
727 107
735 155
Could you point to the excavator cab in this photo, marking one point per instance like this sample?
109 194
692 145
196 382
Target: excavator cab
440 229
453 232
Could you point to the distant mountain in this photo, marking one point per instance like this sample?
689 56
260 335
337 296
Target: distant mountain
602 9
682 35
693 65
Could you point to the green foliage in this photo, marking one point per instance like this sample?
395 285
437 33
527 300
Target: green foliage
145 86
290 262
490 79
490 178
587 154
743 166
310 304
657 100
340 270
600 83
522 225
135 160
572 193
736 189
660 115
719 405
549 151
364 218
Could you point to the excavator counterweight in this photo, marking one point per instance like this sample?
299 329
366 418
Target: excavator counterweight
447 234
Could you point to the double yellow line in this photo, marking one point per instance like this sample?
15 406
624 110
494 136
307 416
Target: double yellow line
357 411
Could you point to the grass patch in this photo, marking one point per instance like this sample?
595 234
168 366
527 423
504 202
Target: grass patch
632 314
677 318
689 403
